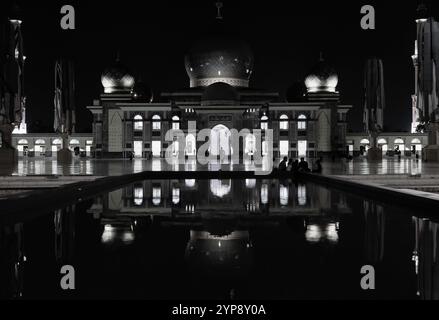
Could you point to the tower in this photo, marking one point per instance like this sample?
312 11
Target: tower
374 98
64 105
374 104
12 99
426 62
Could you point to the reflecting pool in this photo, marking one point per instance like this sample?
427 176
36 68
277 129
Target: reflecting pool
222 239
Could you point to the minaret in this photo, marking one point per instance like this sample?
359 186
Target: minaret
374 97
374 104
421 18
426 60
12 98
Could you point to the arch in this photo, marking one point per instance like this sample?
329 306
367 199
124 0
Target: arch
399 141
138 123
382 141
301 124
175 123
364 141
74 142
283 123
220 141
416 141
156 122
40 142
23 142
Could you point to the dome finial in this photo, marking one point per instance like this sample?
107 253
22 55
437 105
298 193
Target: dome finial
219 5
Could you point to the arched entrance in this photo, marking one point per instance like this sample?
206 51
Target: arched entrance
220 144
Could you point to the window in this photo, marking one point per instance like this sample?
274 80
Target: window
284 144
156 195
175 123
301 124
156 123
264 123
176 196
138 195
138 123
283 124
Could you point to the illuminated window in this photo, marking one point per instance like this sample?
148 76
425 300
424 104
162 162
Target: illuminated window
250 144
264 123
283 195
23 142
175 123
301 124
156 123
138 195
190 145
284 148
365 141
264 193
283 124
138 123
301 195
175 196
156 196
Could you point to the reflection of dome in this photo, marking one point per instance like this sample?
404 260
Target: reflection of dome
219 253
219 59
322 78
220 188
117 79
220 92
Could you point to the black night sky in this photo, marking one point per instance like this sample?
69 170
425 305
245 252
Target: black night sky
153 36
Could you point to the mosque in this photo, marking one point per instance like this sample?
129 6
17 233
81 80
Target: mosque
128 121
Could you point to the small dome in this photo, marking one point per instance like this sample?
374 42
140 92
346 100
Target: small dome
221 93
219 59
117 79
142 92
296 92
322 78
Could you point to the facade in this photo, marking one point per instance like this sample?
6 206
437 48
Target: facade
219 97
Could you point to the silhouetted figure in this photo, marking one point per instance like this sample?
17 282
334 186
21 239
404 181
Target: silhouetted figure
318 168
290 165
283 164
131 156
303 166
296 167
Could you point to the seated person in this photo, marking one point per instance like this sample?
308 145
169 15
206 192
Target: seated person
283 164
303 166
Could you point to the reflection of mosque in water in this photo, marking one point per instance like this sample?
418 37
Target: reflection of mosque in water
220 216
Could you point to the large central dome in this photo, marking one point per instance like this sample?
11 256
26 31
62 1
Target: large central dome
219 59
